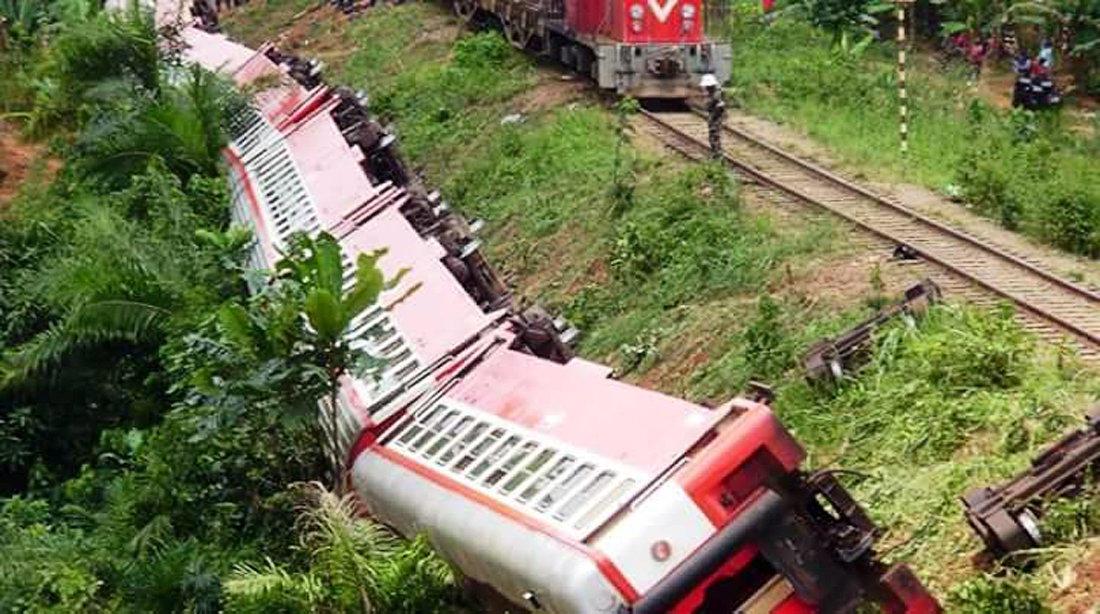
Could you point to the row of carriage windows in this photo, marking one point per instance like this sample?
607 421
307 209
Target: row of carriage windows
491 457
291 210
494 458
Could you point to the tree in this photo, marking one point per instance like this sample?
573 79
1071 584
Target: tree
842 17
310 279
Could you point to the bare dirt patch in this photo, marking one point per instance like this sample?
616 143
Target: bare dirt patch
552 91
1082 594
18 161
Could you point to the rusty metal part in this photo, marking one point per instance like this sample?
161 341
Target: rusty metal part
829 359
1007 517
1060 308
831 530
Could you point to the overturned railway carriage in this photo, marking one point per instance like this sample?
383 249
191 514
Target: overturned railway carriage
644 48
532 471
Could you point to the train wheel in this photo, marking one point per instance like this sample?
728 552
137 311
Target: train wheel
516 34
465 9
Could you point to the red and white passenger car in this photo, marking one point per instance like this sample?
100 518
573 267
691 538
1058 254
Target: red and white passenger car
533 472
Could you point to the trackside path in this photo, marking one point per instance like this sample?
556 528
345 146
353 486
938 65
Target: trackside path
1057 307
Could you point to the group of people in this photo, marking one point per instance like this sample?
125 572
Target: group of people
1035 87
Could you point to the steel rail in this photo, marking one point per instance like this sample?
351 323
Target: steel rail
1091 337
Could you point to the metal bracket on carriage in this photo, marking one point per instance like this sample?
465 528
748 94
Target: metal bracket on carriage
759 392
306 72
843 526
1007 517
829 359
543 336
206 16
381 162
466 262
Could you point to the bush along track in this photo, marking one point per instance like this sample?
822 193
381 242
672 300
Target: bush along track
149 447
650 258
1030 172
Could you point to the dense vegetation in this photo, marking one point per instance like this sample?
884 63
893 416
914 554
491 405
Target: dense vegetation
1031 172
157 422
159 447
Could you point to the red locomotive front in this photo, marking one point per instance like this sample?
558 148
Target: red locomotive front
645 48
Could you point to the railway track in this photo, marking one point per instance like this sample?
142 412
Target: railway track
1053 307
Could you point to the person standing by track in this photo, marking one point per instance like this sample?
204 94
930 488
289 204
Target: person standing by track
716 113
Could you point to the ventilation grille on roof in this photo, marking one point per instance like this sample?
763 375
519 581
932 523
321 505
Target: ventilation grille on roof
568 488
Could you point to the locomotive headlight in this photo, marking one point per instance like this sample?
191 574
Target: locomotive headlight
637 11
688 11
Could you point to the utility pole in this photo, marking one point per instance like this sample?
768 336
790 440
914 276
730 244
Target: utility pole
903 91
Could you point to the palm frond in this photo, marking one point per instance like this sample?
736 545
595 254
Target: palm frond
85 327
270 587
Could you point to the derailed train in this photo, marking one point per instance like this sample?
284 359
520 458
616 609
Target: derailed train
644 48
531 470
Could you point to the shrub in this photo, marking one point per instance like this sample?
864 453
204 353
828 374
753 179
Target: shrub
987 595
482 50
1071 220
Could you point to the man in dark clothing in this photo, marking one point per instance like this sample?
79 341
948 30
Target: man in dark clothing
1021 94
716 113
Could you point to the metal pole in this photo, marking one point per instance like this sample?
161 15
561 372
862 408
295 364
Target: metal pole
903 92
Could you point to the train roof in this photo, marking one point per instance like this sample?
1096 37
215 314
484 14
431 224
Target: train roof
640 428
428 307
214 52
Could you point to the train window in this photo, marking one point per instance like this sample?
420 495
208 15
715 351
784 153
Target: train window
496 455
585 495
417 424
462 442
447 437
576 478
527 471
602 506
406 371
434 428
510 464
547 478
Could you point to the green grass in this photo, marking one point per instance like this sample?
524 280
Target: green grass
256 22
1032 173
965 399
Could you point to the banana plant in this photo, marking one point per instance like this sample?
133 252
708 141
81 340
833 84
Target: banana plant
1077 23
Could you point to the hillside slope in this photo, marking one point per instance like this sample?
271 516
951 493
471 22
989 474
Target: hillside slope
686 284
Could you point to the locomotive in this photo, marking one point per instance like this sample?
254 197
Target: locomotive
534 472
643 48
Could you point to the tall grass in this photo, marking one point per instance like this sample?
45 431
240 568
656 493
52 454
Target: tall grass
963 399
1032 173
